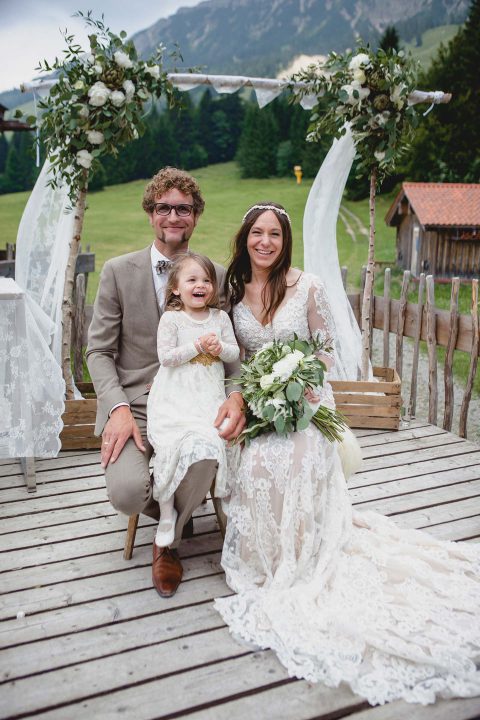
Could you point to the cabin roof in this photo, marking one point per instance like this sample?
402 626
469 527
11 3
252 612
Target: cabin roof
439 204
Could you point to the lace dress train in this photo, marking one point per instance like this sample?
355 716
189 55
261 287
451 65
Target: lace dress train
340 595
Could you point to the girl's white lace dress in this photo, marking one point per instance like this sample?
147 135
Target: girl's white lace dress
340 596
184 400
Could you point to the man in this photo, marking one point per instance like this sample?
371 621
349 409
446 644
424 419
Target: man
122 360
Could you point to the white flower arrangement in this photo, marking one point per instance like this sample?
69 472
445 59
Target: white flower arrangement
369 91
96 106
274 382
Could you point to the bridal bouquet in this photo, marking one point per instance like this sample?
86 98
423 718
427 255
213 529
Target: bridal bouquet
274 381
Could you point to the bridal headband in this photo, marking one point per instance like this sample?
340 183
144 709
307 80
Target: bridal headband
267 207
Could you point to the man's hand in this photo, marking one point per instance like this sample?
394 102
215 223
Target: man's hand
232 411
118 429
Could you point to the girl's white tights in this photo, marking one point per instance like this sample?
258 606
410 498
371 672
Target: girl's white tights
166 527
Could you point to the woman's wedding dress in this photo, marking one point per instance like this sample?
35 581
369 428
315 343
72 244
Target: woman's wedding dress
340 595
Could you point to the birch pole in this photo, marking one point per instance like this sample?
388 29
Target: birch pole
67 303
367 305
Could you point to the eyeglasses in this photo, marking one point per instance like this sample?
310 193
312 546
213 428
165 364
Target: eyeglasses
182 210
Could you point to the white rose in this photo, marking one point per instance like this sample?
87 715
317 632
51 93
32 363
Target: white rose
362 92
122 59
83 112
266 381
153 70
90 59
359 76
84 158
98 68
79 85
379 155
98 94
359 60
129 88
95 137
117 98
283 368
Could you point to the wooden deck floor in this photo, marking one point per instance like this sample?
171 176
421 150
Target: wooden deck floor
97 642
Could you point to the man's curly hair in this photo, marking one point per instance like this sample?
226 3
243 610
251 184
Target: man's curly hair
172 178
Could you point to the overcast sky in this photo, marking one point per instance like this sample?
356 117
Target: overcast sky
30 29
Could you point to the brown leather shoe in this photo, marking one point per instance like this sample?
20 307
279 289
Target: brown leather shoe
167 571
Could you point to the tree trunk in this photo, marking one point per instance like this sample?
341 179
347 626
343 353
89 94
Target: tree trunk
67 304
367 305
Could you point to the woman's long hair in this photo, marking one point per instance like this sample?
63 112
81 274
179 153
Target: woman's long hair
174 302
239 271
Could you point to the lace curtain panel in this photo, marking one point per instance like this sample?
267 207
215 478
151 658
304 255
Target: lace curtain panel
31 384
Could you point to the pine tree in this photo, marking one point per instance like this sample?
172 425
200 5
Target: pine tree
258 143
20 165
390 39
446 146
3 152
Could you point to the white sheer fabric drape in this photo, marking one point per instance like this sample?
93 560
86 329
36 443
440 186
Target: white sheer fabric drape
321 254
31 384
43 240
33 389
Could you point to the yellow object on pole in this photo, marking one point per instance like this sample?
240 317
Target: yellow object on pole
297 169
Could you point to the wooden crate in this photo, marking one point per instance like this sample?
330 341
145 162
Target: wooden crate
363 409
79 421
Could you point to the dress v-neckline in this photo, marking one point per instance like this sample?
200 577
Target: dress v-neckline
279 309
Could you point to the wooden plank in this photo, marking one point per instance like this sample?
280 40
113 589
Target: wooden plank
372 422
87 443
448 368
392 488
55 518
432 352
106 674
80 411
409 433
416 347
357 398
463 529
456 709
69 460
36 537
386 317
418 456
424 467
106 586
67 486
402 310
407 445
441 500
369 411
472 370
439 514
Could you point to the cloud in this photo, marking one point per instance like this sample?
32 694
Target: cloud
30 30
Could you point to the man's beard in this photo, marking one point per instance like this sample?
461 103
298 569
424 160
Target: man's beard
183 239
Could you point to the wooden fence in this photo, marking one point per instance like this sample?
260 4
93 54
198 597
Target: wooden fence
421 321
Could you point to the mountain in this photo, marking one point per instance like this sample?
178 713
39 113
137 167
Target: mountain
263 37
259 37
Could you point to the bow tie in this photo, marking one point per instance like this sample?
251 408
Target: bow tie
163 266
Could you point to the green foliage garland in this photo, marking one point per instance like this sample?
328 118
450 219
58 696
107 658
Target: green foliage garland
96 106
369 91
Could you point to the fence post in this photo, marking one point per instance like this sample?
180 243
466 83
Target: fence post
386 317
432 352
416 346
402 310
462 431
78 328
448 368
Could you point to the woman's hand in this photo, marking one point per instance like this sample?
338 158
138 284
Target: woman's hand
311 396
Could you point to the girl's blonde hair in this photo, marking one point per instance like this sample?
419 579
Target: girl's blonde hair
174 302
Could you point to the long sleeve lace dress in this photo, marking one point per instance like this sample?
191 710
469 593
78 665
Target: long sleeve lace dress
340 596
184 400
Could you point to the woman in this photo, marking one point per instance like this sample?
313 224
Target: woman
338 595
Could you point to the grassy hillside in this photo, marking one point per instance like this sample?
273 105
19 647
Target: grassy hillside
431 40
115 222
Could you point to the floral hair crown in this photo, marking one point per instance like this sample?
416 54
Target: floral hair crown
267 207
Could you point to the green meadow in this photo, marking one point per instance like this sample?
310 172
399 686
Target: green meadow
115 223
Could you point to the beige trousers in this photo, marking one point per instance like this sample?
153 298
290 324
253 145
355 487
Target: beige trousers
129 486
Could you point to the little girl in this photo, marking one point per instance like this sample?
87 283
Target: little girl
193 339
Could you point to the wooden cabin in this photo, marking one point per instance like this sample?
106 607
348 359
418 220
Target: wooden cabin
438 228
